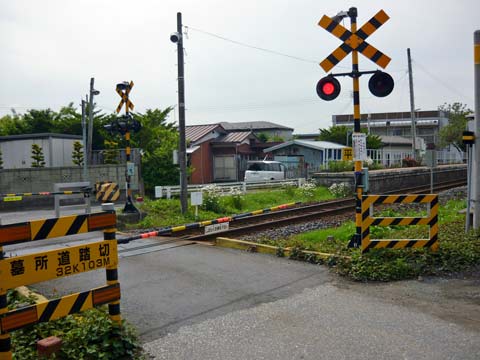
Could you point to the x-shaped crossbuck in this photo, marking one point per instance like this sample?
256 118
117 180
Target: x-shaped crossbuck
124 95
354 41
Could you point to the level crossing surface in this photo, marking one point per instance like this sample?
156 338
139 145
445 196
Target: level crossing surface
194 301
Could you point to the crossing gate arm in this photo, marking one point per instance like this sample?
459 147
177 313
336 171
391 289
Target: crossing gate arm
55 227
431 220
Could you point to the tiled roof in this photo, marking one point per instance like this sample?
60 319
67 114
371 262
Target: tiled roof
234 137
318 145
196 132
252 125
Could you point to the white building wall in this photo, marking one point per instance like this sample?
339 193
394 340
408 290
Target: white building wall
17 154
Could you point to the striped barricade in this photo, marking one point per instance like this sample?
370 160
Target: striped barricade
53 264
431 220
107 191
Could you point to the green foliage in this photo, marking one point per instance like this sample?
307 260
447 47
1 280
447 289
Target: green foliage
457 122
110 154
211 198
37 156
157 139
77 154
340 166
458 251
340 190
262 137
338 135
163 212
308 190
89 335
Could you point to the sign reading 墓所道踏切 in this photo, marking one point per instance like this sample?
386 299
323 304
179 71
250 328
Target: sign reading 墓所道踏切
34 268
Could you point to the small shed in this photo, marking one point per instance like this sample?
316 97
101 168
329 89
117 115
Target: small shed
57 149
305 155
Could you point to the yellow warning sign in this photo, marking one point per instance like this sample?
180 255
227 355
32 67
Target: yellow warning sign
34 268
347 154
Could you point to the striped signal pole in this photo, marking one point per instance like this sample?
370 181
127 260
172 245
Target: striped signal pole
352 13
5 341
123 89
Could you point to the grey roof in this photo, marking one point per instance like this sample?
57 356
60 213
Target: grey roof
317 145
253 125
235 137
39 136
196 132
395 140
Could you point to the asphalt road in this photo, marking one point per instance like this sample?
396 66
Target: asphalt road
203 302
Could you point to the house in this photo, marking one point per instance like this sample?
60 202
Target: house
394 149
216 155
57 149
300 156
273 132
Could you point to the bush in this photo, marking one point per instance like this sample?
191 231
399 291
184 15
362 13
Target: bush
308 189
410 162
211 198
340 166
340 190
88 335
236 197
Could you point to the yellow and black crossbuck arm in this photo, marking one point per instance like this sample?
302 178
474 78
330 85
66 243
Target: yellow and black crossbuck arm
354 41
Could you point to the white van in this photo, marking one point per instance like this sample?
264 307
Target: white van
264 171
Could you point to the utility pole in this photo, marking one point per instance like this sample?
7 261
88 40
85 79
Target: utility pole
182 153
93 92
84 138
412 107
476 152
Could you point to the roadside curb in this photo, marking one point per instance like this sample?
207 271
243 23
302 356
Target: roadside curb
267 249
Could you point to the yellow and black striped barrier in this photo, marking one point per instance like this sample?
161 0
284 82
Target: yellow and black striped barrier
58 308
431 220
107 191
19 196
52 264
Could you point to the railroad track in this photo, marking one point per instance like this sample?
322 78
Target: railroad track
300 213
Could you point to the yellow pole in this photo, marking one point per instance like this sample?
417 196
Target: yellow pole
356 129
5 341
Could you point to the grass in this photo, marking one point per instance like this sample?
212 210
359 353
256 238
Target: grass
458 251
163 212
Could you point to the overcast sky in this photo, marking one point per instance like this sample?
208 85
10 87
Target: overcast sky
51 49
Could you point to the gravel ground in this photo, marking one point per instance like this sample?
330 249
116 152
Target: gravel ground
284 232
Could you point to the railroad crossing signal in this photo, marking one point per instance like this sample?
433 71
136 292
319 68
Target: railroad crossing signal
123 89
354 41
380 84
328 88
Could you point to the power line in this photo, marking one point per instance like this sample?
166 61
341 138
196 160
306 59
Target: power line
251 46
440 81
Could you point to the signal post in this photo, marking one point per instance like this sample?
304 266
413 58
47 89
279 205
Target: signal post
380 84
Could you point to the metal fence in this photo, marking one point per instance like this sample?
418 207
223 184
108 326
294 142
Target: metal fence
115 156
226 188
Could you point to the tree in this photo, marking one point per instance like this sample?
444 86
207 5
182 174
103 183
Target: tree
157 140
338 134
37 156
110 154
77 154
451 134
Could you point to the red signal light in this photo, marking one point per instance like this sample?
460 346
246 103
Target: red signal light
328 88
